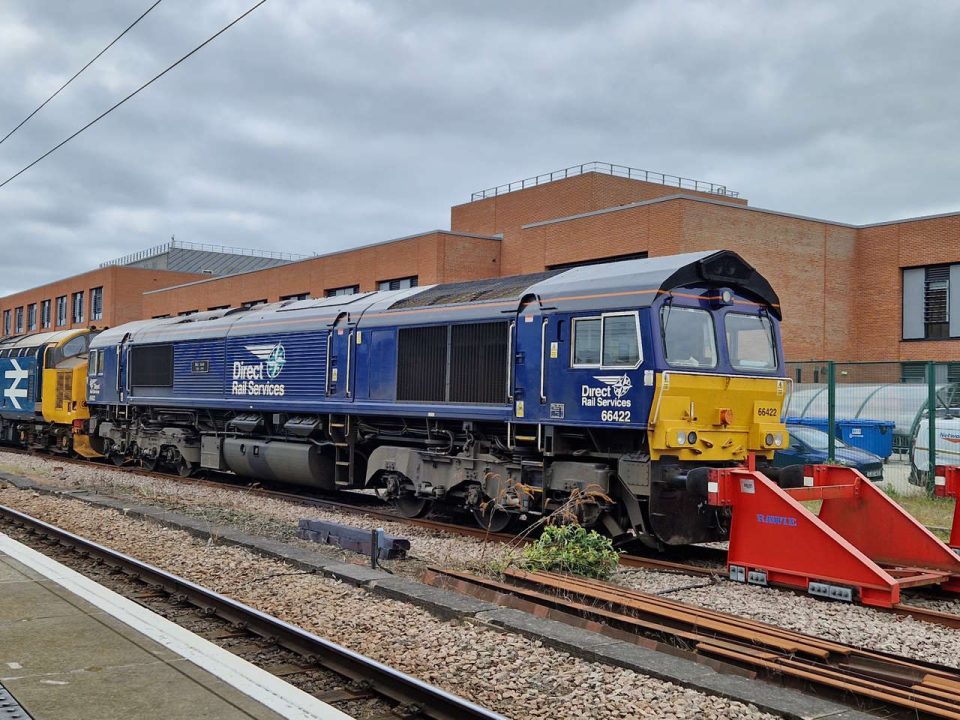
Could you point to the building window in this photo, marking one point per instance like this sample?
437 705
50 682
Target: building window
45 314
6 322
160 317
62 310
253 303
187 313
398 283
348 290
936 299
19 325
78 307
931 302
32 316
96 303
296 296
219 307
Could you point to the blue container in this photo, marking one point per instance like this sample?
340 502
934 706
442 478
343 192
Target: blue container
874 436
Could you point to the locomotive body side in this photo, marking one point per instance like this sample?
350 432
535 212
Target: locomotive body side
510 398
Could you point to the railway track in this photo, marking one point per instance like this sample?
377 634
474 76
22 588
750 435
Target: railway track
712 561
405 693
883 681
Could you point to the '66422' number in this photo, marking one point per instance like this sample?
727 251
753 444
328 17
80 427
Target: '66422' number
615 416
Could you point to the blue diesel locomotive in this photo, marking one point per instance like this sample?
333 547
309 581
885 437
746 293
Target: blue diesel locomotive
606 390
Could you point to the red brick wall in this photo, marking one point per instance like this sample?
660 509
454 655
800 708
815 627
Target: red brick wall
580 194
883 252
123 289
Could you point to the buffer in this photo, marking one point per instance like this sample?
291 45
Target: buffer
859 542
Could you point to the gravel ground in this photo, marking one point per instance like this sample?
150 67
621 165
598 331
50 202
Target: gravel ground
252 513
856 625
502 671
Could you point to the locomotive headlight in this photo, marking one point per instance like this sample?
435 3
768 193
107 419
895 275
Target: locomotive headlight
681 437
692 438
778 439
727 297
768 440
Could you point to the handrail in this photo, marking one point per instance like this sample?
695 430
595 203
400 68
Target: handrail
543 360
608 169
203 247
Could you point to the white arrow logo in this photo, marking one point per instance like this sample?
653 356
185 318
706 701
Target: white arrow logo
15 391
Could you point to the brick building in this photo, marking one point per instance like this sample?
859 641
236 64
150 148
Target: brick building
886 291
113 294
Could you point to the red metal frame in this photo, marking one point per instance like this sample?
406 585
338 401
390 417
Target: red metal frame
947 484
860 538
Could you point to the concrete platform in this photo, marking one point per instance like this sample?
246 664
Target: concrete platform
70 648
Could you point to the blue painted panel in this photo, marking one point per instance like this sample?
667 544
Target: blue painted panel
198 368
382 365
18 379
282 368
599 397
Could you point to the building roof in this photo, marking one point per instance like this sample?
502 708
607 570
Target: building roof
218 260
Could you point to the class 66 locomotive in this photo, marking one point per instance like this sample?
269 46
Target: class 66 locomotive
601 393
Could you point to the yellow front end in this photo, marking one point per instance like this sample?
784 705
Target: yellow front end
65 402
717 418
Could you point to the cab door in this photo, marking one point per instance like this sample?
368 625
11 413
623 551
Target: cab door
341 360
530 382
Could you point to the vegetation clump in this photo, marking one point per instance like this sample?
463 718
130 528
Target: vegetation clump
571 549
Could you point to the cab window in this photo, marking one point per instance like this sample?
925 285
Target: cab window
609 341
689 340
750 342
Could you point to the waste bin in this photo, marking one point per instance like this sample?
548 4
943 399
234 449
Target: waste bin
875 436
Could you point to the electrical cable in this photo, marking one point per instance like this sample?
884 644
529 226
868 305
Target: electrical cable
96 57
135 92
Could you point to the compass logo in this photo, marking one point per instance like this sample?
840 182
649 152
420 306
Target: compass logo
274 357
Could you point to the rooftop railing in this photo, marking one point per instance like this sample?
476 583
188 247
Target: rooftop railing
204 247
608 169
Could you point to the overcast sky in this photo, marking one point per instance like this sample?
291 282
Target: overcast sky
317 125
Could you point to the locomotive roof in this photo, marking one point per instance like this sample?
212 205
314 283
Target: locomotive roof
38 339
625 283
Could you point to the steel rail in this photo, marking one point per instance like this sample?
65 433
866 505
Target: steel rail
919 686
421 698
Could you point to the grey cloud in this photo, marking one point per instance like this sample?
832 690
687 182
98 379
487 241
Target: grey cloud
318 125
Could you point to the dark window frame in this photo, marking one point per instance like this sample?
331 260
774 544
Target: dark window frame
600 364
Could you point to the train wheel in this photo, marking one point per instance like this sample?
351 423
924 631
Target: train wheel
492 518
149 464
184 468
412 507
118 459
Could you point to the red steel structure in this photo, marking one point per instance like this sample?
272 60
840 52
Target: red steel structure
859 542
947 484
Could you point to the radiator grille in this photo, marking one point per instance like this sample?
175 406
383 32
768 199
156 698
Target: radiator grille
478 363
151 366
422 363
453 363
64 388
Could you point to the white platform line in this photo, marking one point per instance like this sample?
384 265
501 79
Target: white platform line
267 689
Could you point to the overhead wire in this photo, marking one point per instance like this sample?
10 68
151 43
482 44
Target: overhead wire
79 72
131 95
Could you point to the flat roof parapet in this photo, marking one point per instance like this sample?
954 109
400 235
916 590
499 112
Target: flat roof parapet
632 173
